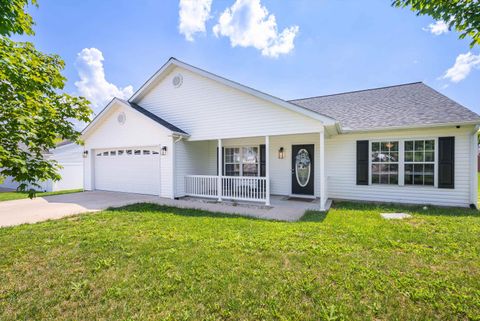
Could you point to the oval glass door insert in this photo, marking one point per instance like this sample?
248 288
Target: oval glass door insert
302 167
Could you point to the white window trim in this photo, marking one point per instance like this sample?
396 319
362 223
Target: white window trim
370 163
241 159
401 162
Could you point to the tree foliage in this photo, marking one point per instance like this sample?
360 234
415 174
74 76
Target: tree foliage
463 15
34 112
14 19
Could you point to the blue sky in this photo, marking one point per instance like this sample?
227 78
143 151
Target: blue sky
337 45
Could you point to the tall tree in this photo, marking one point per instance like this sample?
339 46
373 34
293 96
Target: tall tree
34 112
463 15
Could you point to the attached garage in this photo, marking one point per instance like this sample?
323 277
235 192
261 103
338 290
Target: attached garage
132 170
128 149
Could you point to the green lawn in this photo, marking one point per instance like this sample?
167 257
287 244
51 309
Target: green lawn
9 196
146 262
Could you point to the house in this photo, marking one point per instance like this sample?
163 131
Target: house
188 132
69 156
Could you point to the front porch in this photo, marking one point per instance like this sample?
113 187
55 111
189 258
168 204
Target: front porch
255 169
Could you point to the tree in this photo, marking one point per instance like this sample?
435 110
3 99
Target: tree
34 112
463 15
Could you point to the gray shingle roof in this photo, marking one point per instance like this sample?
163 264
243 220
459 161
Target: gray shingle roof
414 104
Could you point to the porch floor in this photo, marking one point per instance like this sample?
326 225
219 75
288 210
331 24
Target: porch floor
281 208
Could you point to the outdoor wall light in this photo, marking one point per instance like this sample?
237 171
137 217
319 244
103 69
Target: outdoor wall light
281 153
164 150
85 153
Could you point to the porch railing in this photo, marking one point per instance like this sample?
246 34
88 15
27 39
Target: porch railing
201 186
232 187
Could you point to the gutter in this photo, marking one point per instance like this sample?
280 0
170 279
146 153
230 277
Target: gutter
377 129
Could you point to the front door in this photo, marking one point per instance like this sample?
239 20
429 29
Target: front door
303 169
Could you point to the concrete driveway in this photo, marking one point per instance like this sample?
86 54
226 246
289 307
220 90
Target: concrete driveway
57 206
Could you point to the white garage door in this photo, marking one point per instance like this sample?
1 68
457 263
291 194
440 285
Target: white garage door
132 170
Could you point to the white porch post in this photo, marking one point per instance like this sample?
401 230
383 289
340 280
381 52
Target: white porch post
267 170
220 171
323 192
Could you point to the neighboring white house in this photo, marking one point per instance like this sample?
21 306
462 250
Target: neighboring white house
69 156
188 132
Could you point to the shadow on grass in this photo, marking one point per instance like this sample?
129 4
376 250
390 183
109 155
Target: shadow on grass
152 207
313 216
414 209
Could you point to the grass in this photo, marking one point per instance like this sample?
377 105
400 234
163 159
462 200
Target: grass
10 196
147 262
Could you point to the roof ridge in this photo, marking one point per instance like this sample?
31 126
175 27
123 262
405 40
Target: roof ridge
357 91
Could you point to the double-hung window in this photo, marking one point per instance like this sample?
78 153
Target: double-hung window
419 162
403 162
232 161
384 162
242 161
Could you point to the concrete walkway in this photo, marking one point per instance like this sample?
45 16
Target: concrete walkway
57 206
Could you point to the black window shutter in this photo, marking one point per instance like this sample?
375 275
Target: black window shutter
223 160
262 160
362 162
446 162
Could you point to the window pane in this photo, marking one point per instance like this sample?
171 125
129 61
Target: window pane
375 179
232 169
429 169
250 170
384 169
419 145
394 179
429 156
375 147
376 168
408 169
384 147
409 145
418 179
428 180
394 147
418 168
429 145
408 179
419 156
409 156
120 152
394 157
375 157
250 155
383 179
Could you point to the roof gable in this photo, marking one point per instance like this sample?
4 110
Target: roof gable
159 121
172 62
401 106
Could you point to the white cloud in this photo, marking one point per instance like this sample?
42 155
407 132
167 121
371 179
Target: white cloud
193 15
248 24
462 67
92 83
437 28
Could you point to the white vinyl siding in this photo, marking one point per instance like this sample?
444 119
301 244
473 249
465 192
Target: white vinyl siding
340 156
207 110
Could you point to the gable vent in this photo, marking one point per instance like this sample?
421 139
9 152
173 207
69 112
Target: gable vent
121 118
177 80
